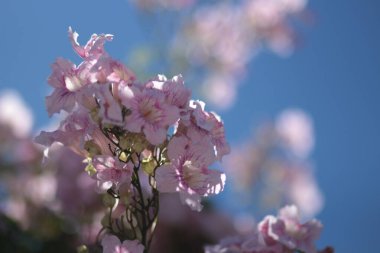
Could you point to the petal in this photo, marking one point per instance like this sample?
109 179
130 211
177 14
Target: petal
134 123
48 138
128 95
133 246
166 178
60 68
155 135
171 115
60 99
73 36
109 243
177 147
216 181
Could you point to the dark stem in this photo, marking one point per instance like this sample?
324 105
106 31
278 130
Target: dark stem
147 222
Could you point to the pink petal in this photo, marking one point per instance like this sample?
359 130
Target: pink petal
133 246
177 147
155 135
166 178
109 243
60 99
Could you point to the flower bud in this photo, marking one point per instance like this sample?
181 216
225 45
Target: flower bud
90 169
124 157
148 165
82 249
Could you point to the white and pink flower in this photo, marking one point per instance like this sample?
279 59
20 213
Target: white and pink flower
284 233
110 172
176 93
149 113
188 172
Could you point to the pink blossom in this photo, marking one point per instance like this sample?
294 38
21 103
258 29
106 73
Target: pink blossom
112 244
100 66
190 181
149 112
284 233
93 48
71 132
302 234
65 79
110 109
187 173
97 67
274 231
111 172
200 152
287 230
105 69
74 131
176 93
119 72
208 125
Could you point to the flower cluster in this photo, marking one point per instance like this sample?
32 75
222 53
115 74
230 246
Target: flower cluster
139 139
284 233
223 38
273 168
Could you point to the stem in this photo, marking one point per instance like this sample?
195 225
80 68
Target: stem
138 209
148 223
141 196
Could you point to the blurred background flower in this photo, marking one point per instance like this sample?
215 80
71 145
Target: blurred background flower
228 52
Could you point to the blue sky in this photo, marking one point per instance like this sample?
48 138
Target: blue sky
334 75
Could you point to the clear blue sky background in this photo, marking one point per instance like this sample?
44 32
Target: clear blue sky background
335 76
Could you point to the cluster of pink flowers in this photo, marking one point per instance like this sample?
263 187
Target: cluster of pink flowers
284 233
138 138
222 38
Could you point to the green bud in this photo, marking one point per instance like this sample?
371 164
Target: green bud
90 169
123 157
82 249
148 165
